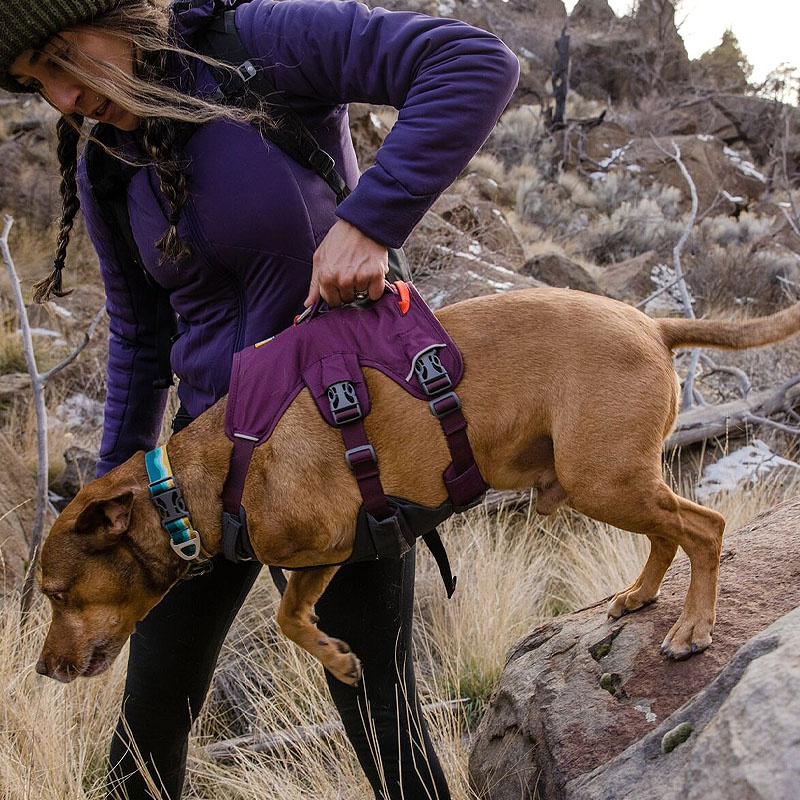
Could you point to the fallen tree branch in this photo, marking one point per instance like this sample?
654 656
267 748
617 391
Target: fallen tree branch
230 749
707 422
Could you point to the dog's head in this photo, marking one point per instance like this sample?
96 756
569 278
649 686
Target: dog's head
101 571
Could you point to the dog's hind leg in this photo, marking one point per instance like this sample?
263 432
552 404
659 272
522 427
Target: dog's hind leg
297 620
650 507
644 590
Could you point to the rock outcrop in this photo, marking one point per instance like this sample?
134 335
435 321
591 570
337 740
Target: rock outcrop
578 691
737 740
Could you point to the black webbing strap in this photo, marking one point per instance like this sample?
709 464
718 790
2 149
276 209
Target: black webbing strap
435 544
249 86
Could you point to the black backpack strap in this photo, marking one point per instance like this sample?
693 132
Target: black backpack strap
249 87
109 178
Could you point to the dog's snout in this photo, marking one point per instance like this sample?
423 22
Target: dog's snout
41 666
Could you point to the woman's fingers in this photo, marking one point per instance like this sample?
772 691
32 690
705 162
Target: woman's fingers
346 264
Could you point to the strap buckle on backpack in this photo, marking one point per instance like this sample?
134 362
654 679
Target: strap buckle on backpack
344 402
322 163
246 71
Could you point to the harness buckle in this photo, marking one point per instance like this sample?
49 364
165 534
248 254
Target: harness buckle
357 456
170 504
246 71
431 374
344 402
444 405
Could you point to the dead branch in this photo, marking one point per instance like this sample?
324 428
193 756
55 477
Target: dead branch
688 384
37 381
741 376
726 419
230 749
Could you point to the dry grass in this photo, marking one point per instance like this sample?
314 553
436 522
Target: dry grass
515 571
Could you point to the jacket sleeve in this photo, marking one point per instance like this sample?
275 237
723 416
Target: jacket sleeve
450 82
133 409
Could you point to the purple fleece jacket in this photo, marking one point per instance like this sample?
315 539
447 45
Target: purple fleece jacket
255 218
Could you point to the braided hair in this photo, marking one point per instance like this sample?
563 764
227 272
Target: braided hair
160 139
69 134
165 112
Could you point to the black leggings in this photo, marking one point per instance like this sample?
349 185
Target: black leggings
175 649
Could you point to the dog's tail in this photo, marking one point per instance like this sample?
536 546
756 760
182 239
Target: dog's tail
731 335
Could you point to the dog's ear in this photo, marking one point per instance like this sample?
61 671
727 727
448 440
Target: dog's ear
106 520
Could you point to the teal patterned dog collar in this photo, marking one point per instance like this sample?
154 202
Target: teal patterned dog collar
168 500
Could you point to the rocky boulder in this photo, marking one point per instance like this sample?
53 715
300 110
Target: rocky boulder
594 13
629 280
555 269
578 691
739 739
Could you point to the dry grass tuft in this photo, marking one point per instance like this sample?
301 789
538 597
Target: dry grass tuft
515 572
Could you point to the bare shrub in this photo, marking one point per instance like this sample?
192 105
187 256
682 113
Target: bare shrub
517 136
736 275
725 231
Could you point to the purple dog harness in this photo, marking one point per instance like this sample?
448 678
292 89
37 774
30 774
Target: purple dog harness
325 351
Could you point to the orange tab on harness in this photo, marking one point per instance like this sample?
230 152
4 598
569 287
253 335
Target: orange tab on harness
405 299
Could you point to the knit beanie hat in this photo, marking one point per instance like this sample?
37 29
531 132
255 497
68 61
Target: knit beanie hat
29 23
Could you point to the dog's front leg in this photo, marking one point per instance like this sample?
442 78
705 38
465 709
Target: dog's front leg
298 622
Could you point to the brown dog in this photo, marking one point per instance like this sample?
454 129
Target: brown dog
567 392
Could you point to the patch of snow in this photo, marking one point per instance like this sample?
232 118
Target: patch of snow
745 167
705 137
497 212
747 464
375 120
616 154
523 51
647 711
79 411
43 332
492 182
731 198
60 310
784 205
504 270
670 300
57 338
498 286
743 301
597 176
446 8
475 248
634 168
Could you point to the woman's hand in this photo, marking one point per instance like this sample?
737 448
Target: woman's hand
347 261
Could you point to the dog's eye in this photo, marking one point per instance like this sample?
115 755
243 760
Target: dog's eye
60 598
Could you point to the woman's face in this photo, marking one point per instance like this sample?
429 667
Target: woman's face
38 70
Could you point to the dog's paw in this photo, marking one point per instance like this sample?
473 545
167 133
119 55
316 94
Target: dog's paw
343 664
685 638
627 601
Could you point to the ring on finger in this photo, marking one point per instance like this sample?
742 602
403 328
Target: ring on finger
361 295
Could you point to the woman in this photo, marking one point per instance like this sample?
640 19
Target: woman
243 237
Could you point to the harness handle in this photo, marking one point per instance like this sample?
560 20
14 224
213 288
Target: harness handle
398 288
